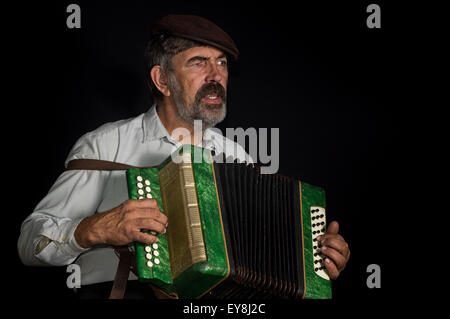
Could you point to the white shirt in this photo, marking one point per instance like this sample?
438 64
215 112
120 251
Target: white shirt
47 235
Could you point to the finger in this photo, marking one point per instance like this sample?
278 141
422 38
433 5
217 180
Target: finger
333 228
141 203
153 213
338 244
333 272
329 236
338 259
151 224
145 238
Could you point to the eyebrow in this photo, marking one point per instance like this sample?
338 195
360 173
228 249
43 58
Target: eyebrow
203 58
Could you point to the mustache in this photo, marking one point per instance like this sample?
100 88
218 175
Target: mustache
210 89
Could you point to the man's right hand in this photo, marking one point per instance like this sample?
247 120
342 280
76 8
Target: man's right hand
122 225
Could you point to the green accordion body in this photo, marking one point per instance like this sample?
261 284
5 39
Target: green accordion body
232 232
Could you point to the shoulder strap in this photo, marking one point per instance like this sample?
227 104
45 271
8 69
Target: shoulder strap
122 273
99 165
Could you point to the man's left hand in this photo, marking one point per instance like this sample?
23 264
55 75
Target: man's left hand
336 250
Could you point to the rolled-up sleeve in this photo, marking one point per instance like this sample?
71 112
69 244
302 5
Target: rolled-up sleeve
47 235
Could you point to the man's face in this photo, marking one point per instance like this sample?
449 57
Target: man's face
198 85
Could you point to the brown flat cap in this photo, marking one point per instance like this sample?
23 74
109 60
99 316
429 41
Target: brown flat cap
195 28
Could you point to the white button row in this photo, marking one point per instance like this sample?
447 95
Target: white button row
148 248
150 264
149 255
141 188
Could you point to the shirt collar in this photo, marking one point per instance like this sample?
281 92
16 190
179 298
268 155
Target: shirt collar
152 126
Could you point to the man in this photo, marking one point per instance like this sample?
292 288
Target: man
87 211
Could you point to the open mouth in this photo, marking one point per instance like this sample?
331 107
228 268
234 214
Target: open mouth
212 94
212 98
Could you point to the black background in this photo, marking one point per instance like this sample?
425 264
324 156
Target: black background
314 70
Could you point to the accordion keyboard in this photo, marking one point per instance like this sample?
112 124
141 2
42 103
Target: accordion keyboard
144 191
318 227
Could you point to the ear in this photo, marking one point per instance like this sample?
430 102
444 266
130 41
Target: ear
159 78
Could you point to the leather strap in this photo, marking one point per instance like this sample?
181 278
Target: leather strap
122 273
161 294
99 165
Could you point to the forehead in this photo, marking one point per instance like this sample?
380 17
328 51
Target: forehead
202 51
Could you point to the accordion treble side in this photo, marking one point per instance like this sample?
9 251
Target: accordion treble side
233 232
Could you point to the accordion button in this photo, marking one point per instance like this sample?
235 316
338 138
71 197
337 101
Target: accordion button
148 189
147 182
139 178
155 246
148 249
156 261
148 256
140 192
156 253
149 264
149 195
140 185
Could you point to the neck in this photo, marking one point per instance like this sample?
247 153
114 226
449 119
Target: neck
175 125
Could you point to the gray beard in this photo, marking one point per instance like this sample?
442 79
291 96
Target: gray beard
209 114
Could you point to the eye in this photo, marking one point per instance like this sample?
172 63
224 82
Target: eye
222 63
198 63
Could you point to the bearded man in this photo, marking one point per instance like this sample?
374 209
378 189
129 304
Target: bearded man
87 212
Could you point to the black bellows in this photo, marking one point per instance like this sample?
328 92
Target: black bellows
262 226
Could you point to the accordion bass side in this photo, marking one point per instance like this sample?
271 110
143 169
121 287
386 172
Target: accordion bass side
232 231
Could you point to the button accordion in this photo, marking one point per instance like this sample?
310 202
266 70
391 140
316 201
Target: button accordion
232 231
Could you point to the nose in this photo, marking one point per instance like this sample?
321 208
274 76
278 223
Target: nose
214 74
